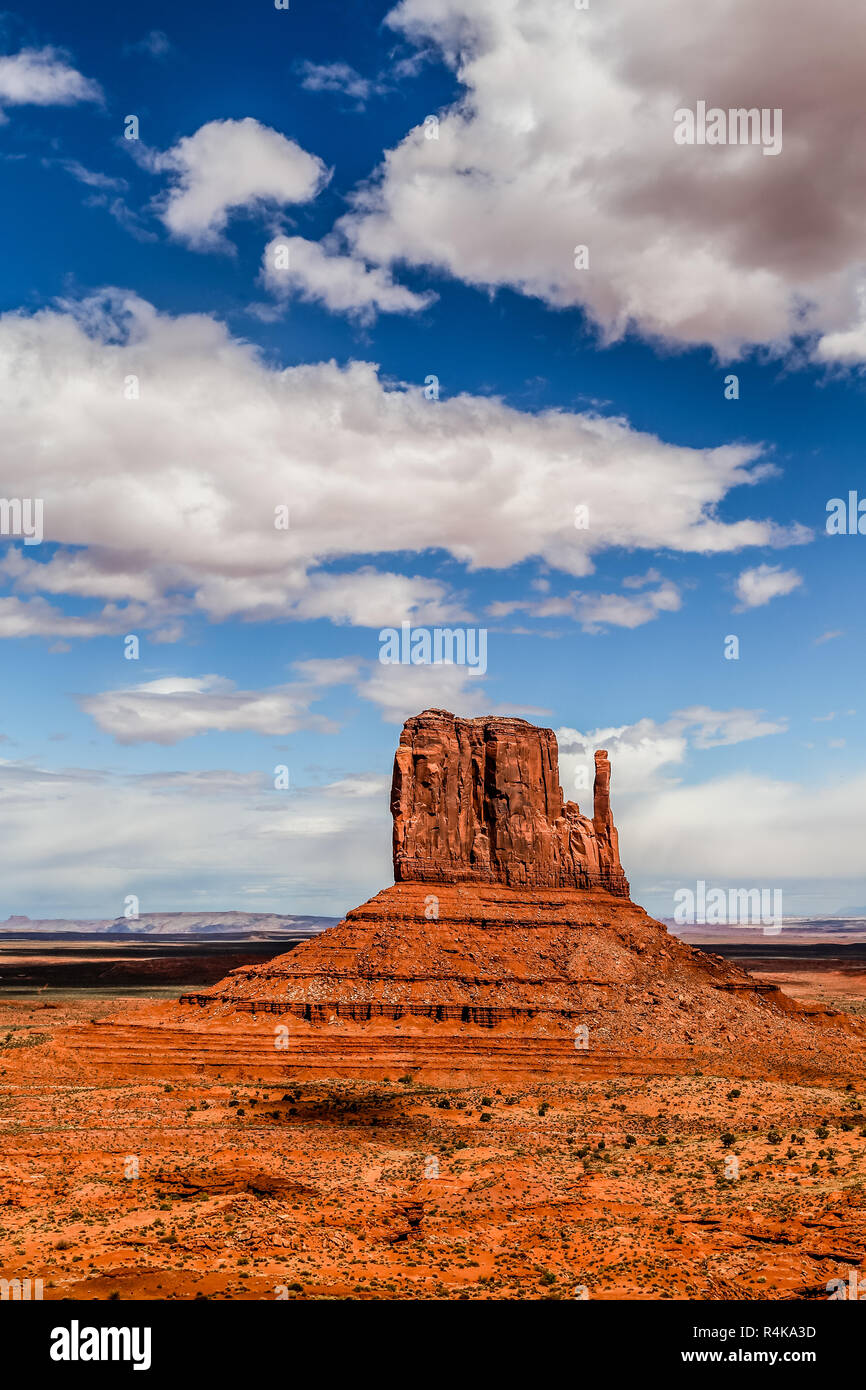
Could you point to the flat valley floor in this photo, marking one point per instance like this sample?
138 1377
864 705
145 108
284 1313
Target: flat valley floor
616 1187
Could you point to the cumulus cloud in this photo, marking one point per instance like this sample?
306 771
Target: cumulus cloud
640 581
43 77
755 587
80 574
740 829
175 707
37 618
846 348
227 166
183 482
295 266
370 598
362 598
563 136
646 752
595 612
401 691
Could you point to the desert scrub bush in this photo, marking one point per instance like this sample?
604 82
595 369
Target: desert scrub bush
29 1040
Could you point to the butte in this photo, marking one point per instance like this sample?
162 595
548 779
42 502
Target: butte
507 943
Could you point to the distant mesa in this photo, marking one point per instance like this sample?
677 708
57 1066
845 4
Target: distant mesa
175 925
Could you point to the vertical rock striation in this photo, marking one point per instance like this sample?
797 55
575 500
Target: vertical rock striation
479 801
510 912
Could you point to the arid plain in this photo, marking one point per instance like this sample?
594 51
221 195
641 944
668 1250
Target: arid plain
610 1184
497 1078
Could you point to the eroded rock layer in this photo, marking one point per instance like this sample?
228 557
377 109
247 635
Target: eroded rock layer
479 800
585 966
510 917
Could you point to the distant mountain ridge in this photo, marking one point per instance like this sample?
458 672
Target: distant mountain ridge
190 924
794 931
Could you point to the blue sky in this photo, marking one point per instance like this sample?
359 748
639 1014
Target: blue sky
452 258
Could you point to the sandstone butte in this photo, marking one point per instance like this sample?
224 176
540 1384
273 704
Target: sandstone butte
507 944
505 971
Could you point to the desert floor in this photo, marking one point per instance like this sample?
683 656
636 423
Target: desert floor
835 985
618 1188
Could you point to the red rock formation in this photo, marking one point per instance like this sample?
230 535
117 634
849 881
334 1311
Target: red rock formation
479 800
510 914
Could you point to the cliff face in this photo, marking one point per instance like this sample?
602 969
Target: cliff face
479 800
510 914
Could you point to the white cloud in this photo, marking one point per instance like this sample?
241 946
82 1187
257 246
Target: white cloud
227 166
847 347
43 77
721 728
639 752
90 177
744 829
293 265
37 618
595 612
599 610
81 574
370 598
740 829
177 707
644 753
563 136
183 484
401 691
362 598
218 839
755 587
640 581
338 77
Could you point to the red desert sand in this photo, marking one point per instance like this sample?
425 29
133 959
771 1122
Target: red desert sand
497 1078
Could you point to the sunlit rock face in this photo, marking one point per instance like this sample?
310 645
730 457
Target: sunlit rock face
479 801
